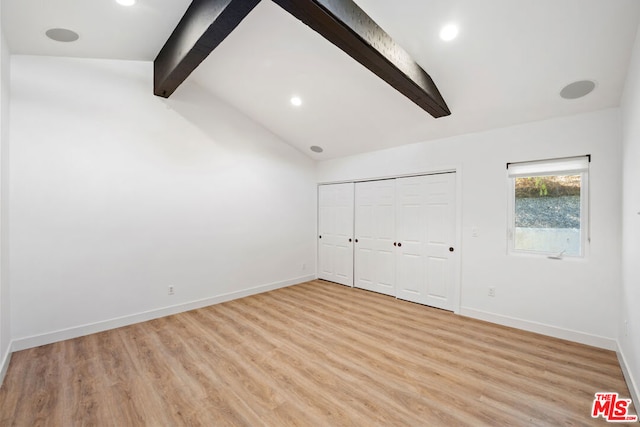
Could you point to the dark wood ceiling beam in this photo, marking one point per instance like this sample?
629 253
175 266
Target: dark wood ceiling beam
348 27
202 28
207 22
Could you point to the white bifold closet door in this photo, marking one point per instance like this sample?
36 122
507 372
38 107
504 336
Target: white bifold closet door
425 232
375 232
335 233
392 236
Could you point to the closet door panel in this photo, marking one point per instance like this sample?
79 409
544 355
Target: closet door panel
375 232
384 220
335 230
364 273
411 233
440 214
326 214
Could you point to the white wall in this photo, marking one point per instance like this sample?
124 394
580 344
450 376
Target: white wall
629 337
117 194
576 299
5 309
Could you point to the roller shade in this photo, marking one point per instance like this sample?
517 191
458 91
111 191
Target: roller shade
564 166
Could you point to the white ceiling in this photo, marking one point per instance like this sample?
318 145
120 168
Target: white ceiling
106 29
506 67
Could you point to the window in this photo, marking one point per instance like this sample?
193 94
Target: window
548 207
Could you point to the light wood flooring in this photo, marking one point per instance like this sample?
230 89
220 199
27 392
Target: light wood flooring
315 354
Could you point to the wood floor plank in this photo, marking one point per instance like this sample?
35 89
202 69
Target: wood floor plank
314 354
333 374
368 358
386 370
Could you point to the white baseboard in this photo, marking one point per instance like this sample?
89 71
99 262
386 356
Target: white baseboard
628 377
541 328
92 328
6 359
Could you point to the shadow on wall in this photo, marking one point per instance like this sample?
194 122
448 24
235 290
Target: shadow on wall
229 128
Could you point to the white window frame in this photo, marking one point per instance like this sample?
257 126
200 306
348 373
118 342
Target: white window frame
564 166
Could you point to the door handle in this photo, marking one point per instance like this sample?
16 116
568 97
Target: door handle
451 249
320 237
399 244
356 240
349 240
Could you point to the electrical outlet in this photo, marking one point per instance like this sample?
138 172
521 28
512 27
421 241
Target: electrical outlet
492 291
171 290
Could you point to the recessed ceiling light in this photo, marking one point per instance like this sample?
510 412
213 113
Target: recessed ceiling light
449 32
577 89
316 149
126 2
62 35
296 101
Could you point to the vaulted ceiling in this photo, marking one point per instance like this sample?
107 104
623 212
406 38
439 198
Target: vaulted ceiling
507 66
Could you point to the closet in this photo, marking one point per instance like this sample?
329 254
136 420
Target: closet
402 237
